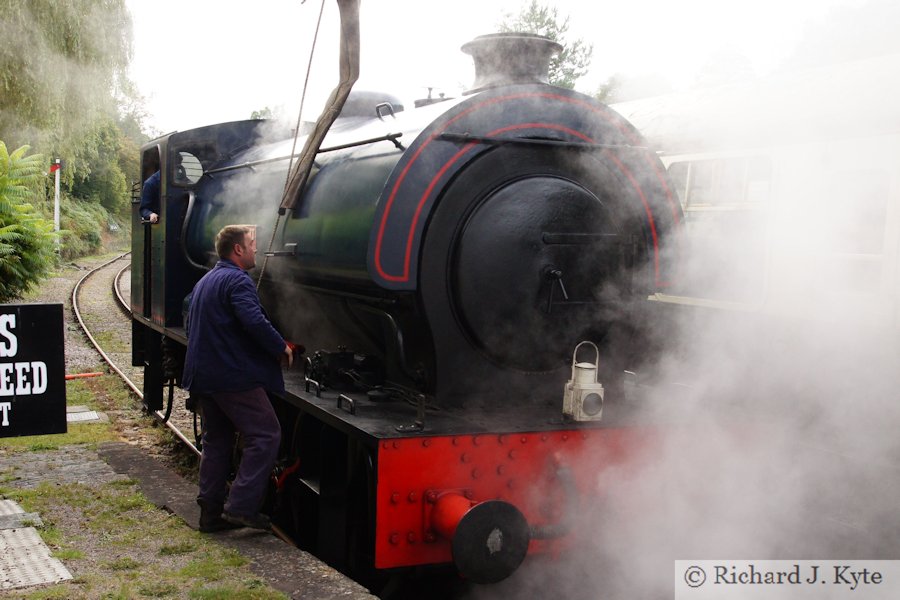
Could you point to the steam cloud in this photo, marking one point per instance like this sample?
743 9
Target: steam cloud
775 419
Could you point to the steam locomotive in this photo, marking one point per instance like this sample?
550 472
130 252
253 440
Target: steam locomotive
443 267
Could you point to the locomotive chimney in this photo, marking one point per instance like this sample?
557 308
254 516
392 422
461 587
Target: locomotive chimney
508 58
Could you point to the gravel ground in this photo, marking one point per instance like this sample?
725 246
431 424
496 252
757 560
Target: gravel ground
80 356
105 319
112 329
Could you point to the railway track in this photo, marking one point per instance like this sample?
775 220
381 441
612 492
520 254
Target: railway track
101 303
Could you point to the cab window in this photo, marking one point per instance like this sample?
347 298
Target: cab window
188 169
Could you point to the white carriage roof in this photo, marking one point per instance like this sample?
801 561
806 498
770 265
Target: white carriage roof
850 99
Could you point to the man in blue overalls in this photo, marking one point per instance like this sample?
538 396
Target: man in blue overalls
234 357
150 199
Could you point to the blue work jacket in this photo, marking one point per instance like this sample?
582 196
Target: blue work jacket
150 196
232 346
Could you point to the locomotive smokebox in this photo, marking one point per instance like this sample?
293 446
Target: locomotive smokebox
510 58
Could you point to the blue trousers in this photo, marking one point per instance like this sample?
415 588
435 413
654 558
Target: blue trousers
251 414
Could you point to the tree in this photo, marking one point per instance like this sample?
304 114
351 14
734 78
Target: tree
575 58
26 239
102 178
622 88
265 113
608 90
63 72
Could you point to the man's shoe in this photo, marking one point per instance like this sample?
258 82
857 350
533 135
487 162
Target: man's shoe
212 524
211 519
257 521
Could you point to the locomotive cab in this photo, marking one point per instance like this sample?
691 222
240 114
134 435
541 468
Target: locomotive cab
162 272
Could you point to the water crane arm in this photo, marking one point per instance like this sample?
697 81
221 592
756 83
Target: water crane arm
349 61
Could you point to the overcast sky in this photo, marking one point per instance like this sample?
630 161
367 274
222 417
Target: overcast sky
199 62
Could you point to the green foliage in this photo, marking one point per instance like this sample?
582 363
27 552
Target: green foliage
125 563
183 547
265 113
608 91
77 52
80 227
64 91
234 592
68 554
78 433
621 88
210 567
26 239
102 181
575 58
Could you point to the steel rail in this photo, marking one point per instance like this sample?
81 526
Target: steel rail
117 291
134 388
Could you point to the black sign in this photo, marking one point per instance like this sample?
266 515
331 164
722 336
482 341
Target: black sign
32 370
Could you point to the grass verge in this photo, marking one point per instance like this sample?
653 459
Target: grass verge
118 545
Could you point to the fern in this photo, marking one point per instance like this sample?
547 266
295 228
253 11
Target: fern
26 240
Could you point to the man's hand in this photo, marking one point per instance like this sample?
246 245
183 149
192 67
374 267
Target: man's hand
289 355
154 218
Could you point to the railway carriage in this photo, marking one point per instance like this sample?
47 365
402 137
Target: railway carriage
790 187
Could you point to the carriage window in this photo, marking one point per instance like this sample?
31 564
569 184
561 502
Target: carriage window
725 226
678 173
722 182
